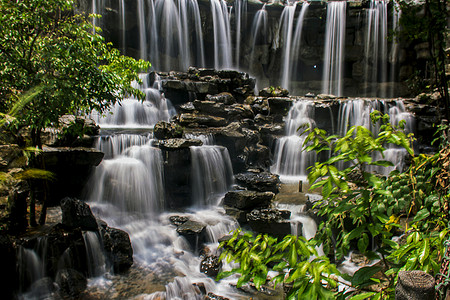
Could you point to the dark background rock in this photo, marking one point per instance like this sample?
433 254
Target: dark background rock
118 249
76 213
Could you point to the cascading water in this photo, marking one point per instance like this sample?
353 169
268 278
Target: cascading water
393 57
333 71
212 174
296 45
286 27
258 33
290 162
376 46
222 35
240 12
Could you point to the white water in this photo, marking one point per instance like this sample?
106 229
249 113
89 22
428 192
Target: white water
258 33
240 12
222 35
333 71
376 46
286 28
289 159
393 56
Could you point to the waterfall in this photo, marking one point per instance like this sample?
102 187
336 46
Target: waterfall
333 72
123 42
133 113
222 36
30 266
240 11
295 54
258 33
290 160
286 24
393 57
94 252
376 45
211 174
142 30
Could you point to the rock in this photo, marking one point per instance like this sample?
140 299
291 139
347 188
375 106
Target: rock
225 98
165 130
269 221
76 213
212 296
17 200
11 156
237 112
194 232
178 220
71 168
72 131
248 200
415 285
8 275
262 182
190 119
43 288
71 282
279 105
178 144
118 249
273 92
211 266
210 108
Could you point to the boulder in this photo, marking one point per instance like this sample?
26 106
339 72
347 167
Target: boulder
225 98
118 249
211 265
76 213
279 105
273 92
178 144
11 156
247 200
415 285
165 130
71 283
194 232
270 221
194 120
262 181
212 296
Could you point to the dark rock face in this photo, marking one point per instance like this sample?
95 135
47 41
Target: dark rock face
71 167
71 283
76 213
17 200
211 266
263 181
415 285
248 199
270 221
118 249
8 274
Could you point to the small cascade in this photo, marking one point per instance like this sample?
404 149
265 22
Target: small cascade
376 46
132 113
154 39
240 16
333 71
290 161
258 33
142 29
212 174
114 145
286 28
297 39
207 139
393 57
123 41
30 267
222 35
94 252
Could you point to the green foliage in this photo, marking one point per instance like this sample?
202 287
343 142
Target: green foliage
294 259
354 199
44 44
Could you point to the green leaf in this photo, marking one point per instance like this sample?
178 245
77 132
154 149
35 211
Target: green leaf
424 251
362 296
421 214
363 275
363 242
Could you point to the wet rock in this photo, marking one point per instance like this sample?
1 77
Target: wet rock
279 105
212 296
164 130
211 266
247 200
194 232
178 144
273 92
225 98
262 182
210 108
76 213
415 285
71 282
178 220
118 249
11 156
237 112
71 168
43 288
189 119
238 214
270 221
